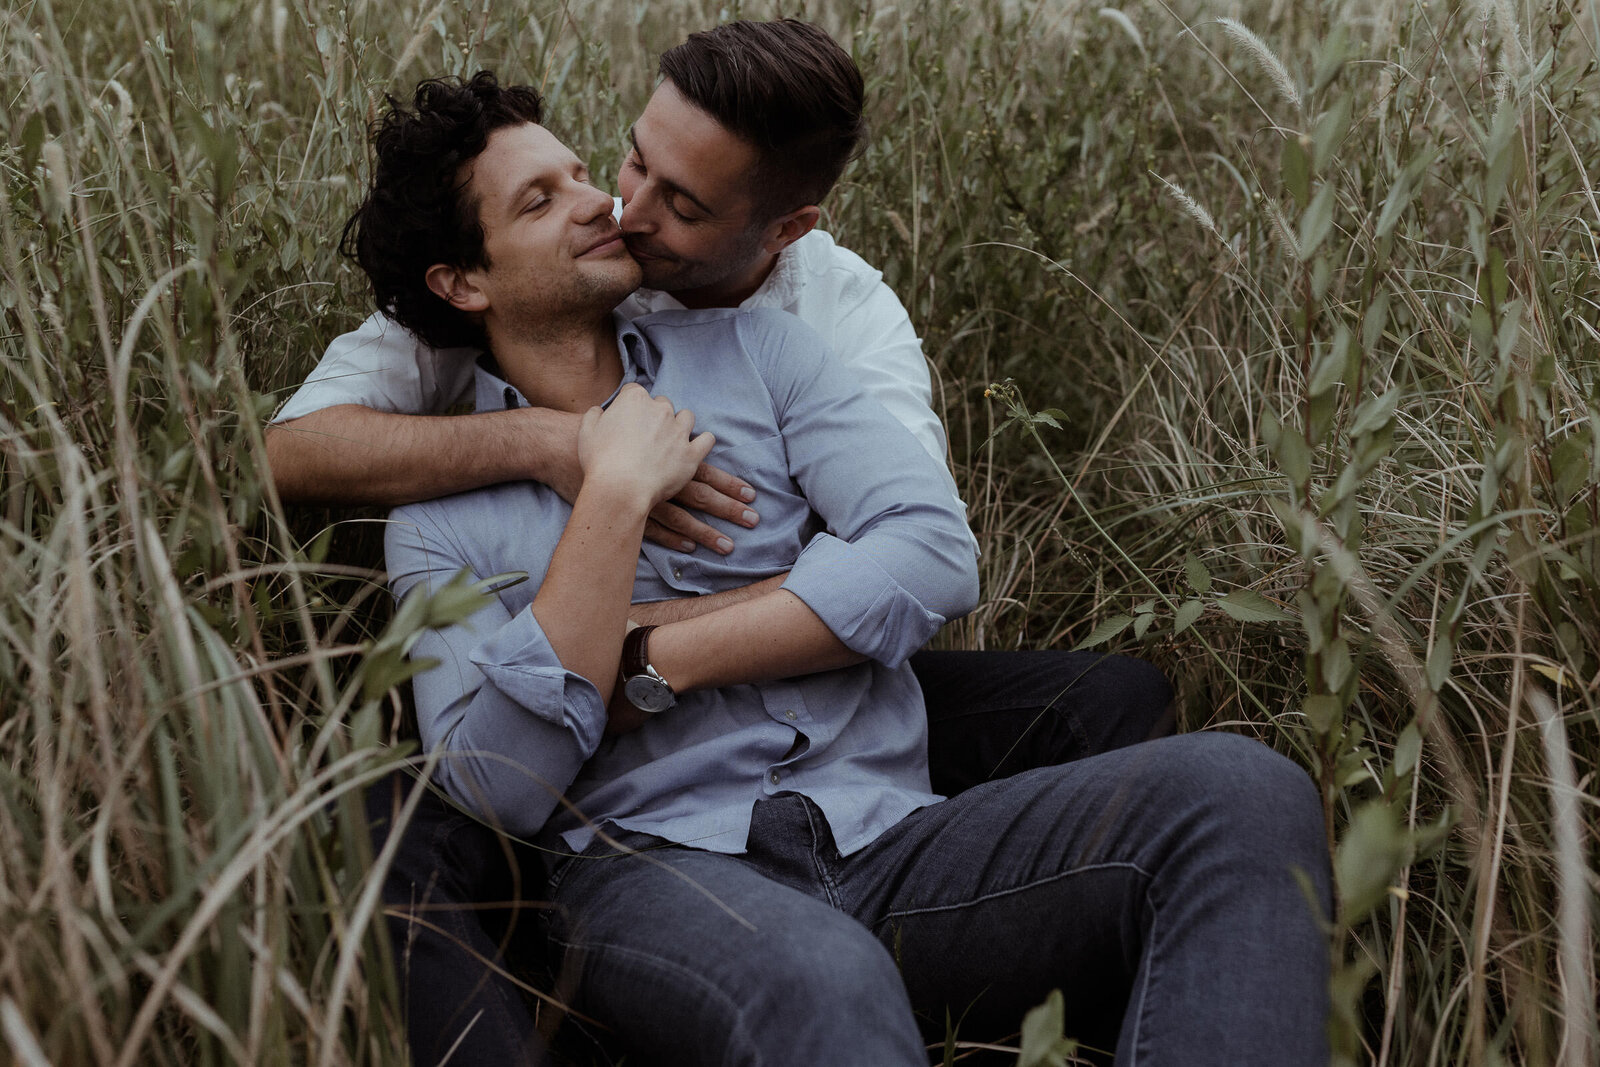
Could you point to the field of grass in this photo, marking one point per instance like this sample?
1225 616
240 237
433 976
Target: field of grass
1268 336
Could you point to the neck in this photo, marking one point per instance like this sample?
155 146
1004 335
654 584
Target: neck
569 368
730 292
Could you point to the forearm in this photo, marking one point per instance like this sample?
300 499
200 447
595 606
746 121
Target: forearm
755 640
582 605
350 454
659 612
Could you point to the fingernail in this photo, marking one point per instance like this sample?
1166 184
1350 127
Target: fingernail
687 546
750 518
724 545
747 494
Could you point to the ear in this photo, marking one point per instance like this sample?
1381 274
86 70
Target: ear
456 287
787 229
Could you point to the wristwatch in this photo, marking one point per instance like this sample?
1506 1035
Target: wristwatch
642 684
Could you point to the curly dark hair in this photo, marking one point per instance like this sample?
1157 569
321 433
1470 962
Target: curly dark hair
415 214
787 88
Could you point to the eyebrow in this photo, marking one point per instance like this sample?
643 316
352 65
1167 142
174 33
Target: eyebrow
674 186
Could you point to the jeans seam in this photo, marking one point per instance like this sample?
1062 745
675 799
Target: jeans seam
997 894
1144 984
741 1027
824 876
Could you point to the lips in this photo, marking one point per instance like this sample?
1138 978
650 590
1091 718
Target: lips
641 253
608 243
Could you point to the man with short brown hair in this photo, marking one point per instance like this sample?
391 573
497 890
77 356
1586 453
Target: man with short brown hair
709 221
746 862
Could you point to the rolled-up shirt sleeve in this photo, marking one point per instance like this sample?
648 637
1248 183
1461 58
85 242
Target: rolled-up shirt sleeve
896 561
514 725
382 365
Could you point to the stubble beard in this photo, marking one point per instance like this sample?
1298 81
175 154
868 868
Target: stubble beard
673 275
580 298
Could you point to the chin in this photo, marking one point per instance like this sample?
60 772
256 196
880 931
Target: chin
657 276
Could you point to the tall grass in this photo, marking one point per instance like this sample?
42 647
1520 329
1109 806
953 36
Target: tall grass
1289 322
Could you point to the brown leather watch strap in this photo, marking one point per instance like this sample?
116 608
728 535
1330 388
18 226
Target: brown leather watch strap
635 655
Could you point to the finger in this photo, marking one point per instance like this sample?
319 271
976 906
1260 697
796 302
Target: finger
703 498
685 526
726 484
668 539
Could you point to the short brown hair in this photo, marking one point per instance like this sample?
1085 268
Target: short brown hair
788 89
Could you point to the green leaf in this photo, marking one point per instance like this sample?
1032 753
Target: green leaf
1188 612
1293 456
1569 463
1329 132
1323 712
1407 751
1317 221
1336 664
1493 282
1368 858
1375 413
1510 328
1142 624
32 139
1376 318
1501 153
1107 629
317 551
1481 329
1195 571
1328 363
1246 605
1394 205
1440 658
1042 1042
1296 170
1331 57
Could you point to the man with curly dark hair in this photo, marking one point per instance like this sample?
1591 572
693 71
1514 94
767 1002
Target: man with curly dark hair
751 125
745 860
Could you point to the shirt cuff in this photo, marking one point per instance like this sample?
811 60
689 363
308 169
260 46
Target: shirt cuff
518 661
863 604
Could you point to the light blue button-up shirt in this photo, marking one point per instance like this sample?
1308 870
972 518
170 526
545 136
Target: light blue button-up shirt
864 520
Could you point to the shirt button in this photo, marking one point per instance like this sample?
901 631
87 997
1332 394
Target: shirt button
677 574
775 777
790 715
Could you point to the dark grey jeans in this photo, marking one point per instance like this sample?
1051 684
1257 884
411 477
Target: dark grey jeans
1155 886
459 894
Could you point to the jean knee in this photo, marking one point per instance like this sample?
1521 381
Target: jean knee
1265 802
1146 694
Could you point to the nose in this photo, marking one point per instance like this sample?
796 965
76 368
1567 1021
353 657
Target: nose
591 204
636 217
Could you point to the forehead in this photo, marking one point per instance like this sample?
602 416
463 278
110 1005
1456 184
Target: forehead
686 146
514 156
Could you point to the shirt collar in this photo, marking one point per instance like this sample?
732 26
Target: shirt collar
640 361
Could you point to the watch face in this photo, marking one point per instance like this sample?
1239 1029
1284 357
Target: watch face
648 694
